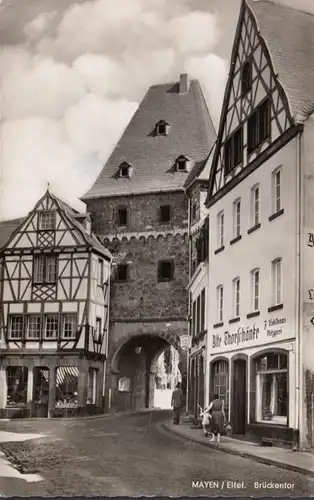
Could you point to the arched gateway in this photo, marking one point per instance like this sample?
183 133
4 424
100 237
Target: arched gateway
131 368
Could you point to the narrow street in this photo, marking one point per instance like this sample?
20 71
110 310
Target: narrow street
132 455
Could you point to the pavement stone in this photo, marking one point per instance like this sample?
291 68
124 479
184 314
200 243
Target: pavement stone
296 461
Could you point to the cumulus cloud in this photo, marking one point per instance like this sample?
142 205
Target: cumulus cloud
69 91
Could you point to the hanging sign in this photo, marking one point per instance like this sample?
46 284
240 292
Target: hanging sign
185 342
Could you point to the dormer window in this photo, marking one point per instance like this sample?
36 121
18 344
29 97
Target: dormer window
181 164
246 77
125 170
47 221
162 128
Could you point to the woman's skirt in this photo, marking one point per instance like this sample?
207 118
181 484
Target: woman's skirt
217 422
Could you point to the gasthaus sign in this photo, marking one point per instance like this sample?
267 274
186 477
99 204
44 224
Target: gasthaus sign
266 331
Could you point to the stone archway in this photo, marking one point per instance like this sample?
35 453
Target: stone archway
131 369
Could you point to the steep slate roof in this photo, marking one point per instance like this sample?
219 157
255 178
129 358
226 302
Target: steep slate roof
7 227
289 35
152 157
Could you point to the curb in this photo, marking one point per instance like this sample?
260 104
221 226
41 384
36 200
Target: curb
89 417
243 454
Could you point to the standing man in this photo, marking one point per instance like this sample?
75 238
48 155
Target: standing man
176 403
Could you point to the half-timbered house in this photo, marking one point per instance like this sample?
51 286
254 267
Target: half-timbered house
260 202
54 313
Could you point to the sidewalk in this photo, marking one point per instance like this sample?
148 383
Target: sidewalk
297 461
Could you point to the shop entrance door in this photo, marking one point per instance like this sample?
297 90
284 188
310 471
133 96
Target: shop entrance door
239 397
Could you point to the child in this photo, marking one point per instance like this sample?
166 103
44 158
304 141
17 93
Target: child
205 420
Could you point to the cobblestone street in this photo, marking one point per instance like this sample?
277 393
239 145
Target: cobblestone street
131 455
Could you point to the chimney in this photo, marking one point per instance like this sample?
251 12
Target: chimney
184 83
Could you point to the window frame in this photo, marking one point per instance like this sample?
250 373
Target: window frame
120 211
12 317
47 317
203 309
233 151
49 227
221 228
277 277
246 83
164 209
259 373
255 202
254 136
277 197
181 160
220 303
255 286
66 316
32 317
37 280
98 328
236 285
120 266
237 218
161 262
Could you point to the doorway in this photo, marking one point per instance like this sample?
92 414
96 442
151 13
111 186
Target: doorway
239 396
40 391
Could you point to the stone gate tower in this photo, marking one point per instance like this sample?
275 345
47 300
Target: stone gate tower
140 209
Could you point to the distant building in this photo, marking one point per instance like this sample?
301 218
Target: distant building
54 317
261 211
140 209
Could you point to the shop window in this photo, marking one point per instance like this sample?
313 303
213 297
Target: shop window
17 385
272 389
220 382
41 385
67 386
91 386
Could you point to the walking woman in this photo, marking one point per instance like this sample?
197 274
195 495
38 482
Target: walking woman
217 421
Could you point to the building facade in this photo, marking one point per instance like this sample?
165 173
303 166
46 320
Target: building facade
140 209
54 314
260 201
198 290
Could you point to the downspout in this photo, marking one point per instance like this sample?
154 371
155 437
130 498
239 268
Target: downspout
299 302
189 306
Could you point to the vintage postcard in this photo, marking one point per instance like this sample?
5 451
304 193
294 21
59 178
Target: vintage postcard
157 248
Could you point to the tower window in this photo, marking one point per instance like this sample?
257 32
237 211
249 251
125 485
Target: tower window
122 272
125 170
122 217
164 215
181 164
165 270
246 78
162 128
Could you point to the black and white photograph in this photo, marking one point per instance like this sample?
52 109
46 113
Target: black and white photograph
157 248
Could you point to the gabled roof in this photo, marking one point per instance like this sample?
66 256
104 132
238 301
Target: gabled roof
7 227
152 156
289 36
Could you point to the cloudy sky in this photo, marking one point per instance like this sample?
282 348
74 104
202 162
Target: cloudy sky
73 73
